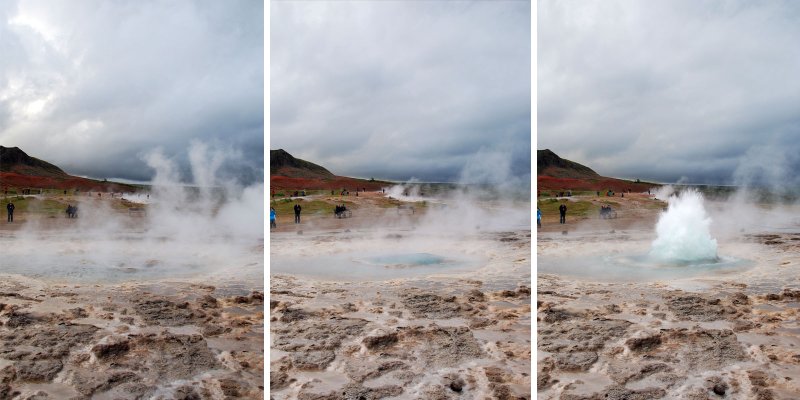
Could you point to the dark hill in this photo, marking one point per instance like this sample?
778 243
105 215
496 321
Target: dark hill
12 159
18 170
550 164
284 164
558 174
290 173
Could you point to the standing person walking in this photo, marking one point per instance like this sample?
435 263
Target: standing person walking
272 217
10 209
297 209
563 210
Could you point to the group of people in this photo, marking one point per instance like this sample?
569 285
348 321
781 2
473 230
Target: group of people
607 212
72 211
338 210
273 216
562 210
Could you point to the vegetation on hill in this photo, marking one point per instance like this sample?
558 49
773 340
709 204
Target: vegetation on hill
19 171
288 173
284 164
550 164
559 174
12 159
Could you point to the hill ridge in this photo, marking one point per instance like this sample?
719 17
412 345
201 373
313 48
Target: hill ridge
284 164
559 174
13 159
21 171
290 173
549 163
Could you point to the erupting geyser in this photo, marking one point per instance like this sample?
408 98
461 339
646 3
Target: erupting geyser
683 231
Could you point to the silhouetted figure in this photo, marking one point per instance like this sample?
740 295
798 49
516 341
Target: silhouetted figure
562 209
297 209
340 211
10 209
272 217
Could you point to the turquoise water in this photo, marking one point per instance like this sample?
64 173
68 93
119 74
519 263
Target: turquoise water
67 257
638 267
411 259
373 266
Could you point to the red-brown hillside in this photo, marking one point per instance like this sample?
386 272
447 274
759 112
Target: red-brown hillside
290 173
21 171
556 173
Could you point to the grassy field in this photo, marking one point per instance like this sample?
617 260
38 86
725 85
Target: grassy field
54 204
29 205
310 207
580 208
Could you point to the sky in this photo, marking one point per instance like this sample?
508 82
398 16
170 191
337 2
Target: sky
406 89
93 85
672 90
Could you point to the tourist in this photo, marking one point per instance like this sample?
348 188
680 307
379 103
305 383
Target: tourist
563 210
10 209
538 217
272 217
297 209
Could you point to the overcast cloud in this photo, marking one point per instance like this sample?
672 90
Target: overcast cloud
707 90
93 85
401 89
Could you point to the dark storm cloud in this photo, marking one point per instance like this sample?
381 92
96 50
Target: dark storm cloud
93 85
401 89
669 89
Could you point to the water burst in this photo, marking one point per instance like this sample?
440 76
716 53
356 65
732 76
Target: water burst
683 231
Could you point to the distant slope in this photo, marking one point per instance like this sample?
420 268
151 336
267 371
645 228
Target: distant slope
18 170
290 173
284 164
556 173
12 159
550 164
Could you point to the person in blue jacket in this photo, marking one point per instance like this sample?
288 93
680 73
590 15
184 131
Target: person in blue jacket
538 217
272 217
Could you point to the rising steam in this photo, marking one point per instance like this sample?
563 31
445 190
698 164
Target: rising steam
195 227
683 231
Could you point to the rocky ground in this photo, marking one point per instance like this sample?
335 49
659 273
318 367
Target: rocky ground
459 335
169 340
731 335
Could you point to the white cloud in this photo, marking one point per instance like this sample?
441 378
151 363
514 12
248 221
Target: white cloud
670 88
91 85
400 89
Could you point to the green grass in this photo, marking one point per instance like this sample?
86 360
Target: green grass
574 208
286 206
30 205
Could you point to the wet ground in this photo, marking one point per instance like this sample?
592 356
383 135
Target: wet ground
121 315
730 332
419 329
159 340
